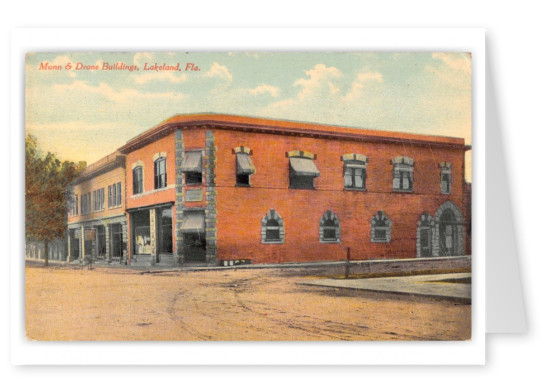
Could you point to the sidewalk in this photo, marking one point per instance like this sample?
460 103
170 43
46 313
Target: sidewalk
290 265
455 286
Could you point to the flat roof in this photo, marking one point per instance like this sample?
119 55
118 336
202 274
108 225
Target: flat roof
286 127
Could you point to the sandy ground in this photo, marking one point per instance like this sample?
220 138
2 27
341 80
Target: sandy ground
267 304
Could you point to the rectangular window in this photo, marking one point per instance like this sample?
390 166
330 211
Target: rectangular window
99 199
85 203
160 173
445 184
244 169
142 232
118 198
403 178
109 197
137 180
73 205
354 175
302 172
193 167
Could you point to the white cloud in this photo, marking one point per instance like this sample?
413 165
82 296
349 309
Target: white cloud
457 61
321 77
361 83
220 71
121 96
264 89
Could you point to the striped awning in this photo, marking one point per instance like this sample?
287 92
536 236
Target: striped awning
192 162
244 164
304 167
194 222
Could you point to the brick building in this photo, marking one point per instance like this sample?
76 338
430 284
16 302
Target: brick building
211 188
97 223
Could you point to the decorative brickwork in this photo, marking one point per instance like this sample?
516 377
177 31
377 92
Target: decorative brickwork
210 212
179 240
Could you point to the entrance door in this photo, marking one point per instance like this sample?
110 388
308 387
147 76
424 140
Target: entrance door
116 240
424 241
75 245
448 234
195 247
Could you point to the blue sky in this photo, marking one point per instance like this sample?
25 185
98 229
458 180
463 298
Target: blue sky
86 114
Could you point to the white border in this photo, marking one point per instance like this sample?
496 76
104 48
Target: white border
25 352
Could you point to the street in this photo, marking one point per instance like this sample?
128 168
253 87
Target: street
103 304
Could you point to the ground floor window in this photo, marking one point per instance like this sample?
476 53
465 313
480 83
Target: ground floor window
142 232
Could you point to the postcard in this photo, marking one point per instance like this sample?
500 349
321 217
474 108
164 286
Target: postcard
248 196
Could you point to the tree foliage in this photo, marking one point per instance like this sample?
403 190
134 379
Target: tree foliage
46 193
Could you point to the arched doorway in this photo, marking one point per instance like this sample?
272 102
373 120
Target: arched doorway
449 228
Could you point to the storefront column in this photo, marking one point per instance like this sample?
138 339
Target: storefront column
107 243
69 246
153 234
82 243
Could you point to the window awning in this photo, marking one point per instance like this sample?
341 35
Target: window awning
194 222
244 164
192 162
304 167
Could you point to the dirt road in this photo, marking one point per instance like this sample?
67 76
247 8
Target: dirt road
230 305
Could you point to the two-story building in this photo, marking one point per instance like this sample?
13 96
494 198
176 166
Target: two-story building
97 223
211 188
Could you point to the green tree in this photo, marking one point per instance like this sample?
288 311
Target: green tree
46 194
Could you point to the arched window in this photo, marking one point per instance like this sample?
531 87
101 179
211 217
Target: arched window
137 179
272 228
329 228
448 230
381 228
160 173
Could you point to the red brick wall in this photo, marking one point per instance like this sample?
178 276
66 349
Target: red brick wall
240 210
150 195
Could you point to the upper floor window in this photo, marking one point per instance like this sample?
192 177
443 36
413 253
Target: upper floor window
272 228
302 170
73 205
402 174
85 203
330 228
193 167
354 171
381 228
160 173
99 199
445 177
244 166
137 180
114 195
